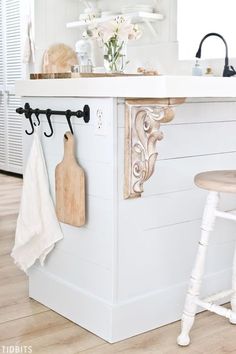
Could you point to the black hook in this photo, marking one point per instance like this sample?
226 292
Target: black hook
37 116
68 115
28 115
48 115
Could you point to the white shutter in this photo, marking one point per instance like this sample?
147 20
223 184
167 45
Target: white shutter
13 71
13 42
1 48
14 136
10 71
3 147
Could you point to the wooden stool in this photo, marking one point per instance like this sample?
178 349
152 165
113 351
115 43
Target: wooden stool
215 182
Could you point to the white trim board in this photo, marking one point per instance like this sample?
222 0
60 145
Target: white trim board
116 322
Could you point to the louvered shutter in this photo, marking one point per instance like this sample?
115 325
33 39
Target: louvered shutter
13 42
2 105
13 72
3 147
14 136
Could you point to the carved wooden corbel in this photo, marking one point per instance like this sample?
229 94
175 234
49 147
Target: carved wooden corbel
142 132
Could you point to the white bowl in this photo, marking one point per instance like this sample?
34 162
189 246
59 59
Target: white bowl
109 13
89 14
137 8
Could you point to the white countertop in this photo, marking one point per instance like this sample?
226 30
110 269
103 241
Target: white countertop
136 86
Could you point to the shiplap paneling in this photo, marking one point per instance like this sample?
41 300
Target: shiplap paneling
93 278
84 257
183 170
158 233
99 150
166 209
131 249
159 258
94 152
197 139
205 110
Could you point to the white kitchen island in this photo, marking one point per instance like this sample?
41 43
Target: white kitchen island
126 271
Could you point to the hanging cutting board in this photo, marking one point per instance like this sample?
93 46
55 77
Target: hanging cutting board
70 186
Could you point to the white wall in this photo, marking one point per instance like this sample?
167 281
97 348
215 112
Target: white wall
50 18
160 52
50 28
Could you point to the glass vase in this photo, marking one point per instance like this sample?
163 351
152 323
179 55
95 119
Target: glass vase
115 51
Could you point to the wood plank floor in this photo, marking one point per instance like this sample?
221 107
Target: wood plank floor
26 322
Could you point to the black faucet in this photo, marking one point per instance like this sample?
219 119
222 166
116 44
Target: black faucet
228 70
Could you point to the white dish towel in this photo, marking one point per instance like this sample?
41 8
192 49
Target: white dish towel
29 43
37 228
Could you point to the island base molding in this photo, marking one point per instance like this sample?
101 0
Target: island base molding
113 322
143 119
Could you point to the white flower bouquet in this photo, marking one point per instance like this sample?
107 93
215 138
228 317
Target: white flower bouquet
114 35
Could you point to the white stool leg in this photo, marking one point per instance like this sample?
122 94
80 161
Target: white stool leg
233 297
197 272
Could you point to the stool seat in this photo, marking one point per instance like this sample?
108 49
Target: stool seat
219 181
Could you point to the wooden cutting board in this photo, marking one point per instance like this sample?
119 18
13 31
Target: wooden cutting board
70 186
58 59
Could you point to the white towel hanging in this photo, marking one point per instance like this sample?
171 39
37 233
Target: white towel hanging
29 43
37 228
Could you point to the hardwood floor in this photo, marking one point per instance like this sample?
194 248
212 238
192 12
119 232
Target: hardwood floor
25 322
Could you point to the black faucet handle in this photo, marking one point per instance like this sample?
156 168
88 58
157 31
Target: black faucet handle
229 71
232 68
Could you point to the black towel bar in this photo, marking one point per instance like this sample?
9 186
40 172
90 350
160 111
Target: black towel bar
28 112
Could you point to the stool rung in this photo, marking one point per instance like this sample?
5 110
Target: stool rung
225 215
218 296
219 310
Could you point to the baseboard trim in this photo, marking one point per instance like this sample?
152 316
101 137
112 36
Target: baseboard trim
162 307
86 310
113 322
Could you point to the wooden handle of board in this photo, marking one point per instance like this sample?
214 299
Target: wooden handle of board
69 147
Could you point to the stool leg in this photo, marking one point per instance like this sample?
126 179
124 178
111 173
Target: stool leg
233 298
190 306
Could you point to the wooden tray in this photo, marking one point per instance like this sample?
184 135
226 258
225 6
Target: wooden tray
40 76
74 75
